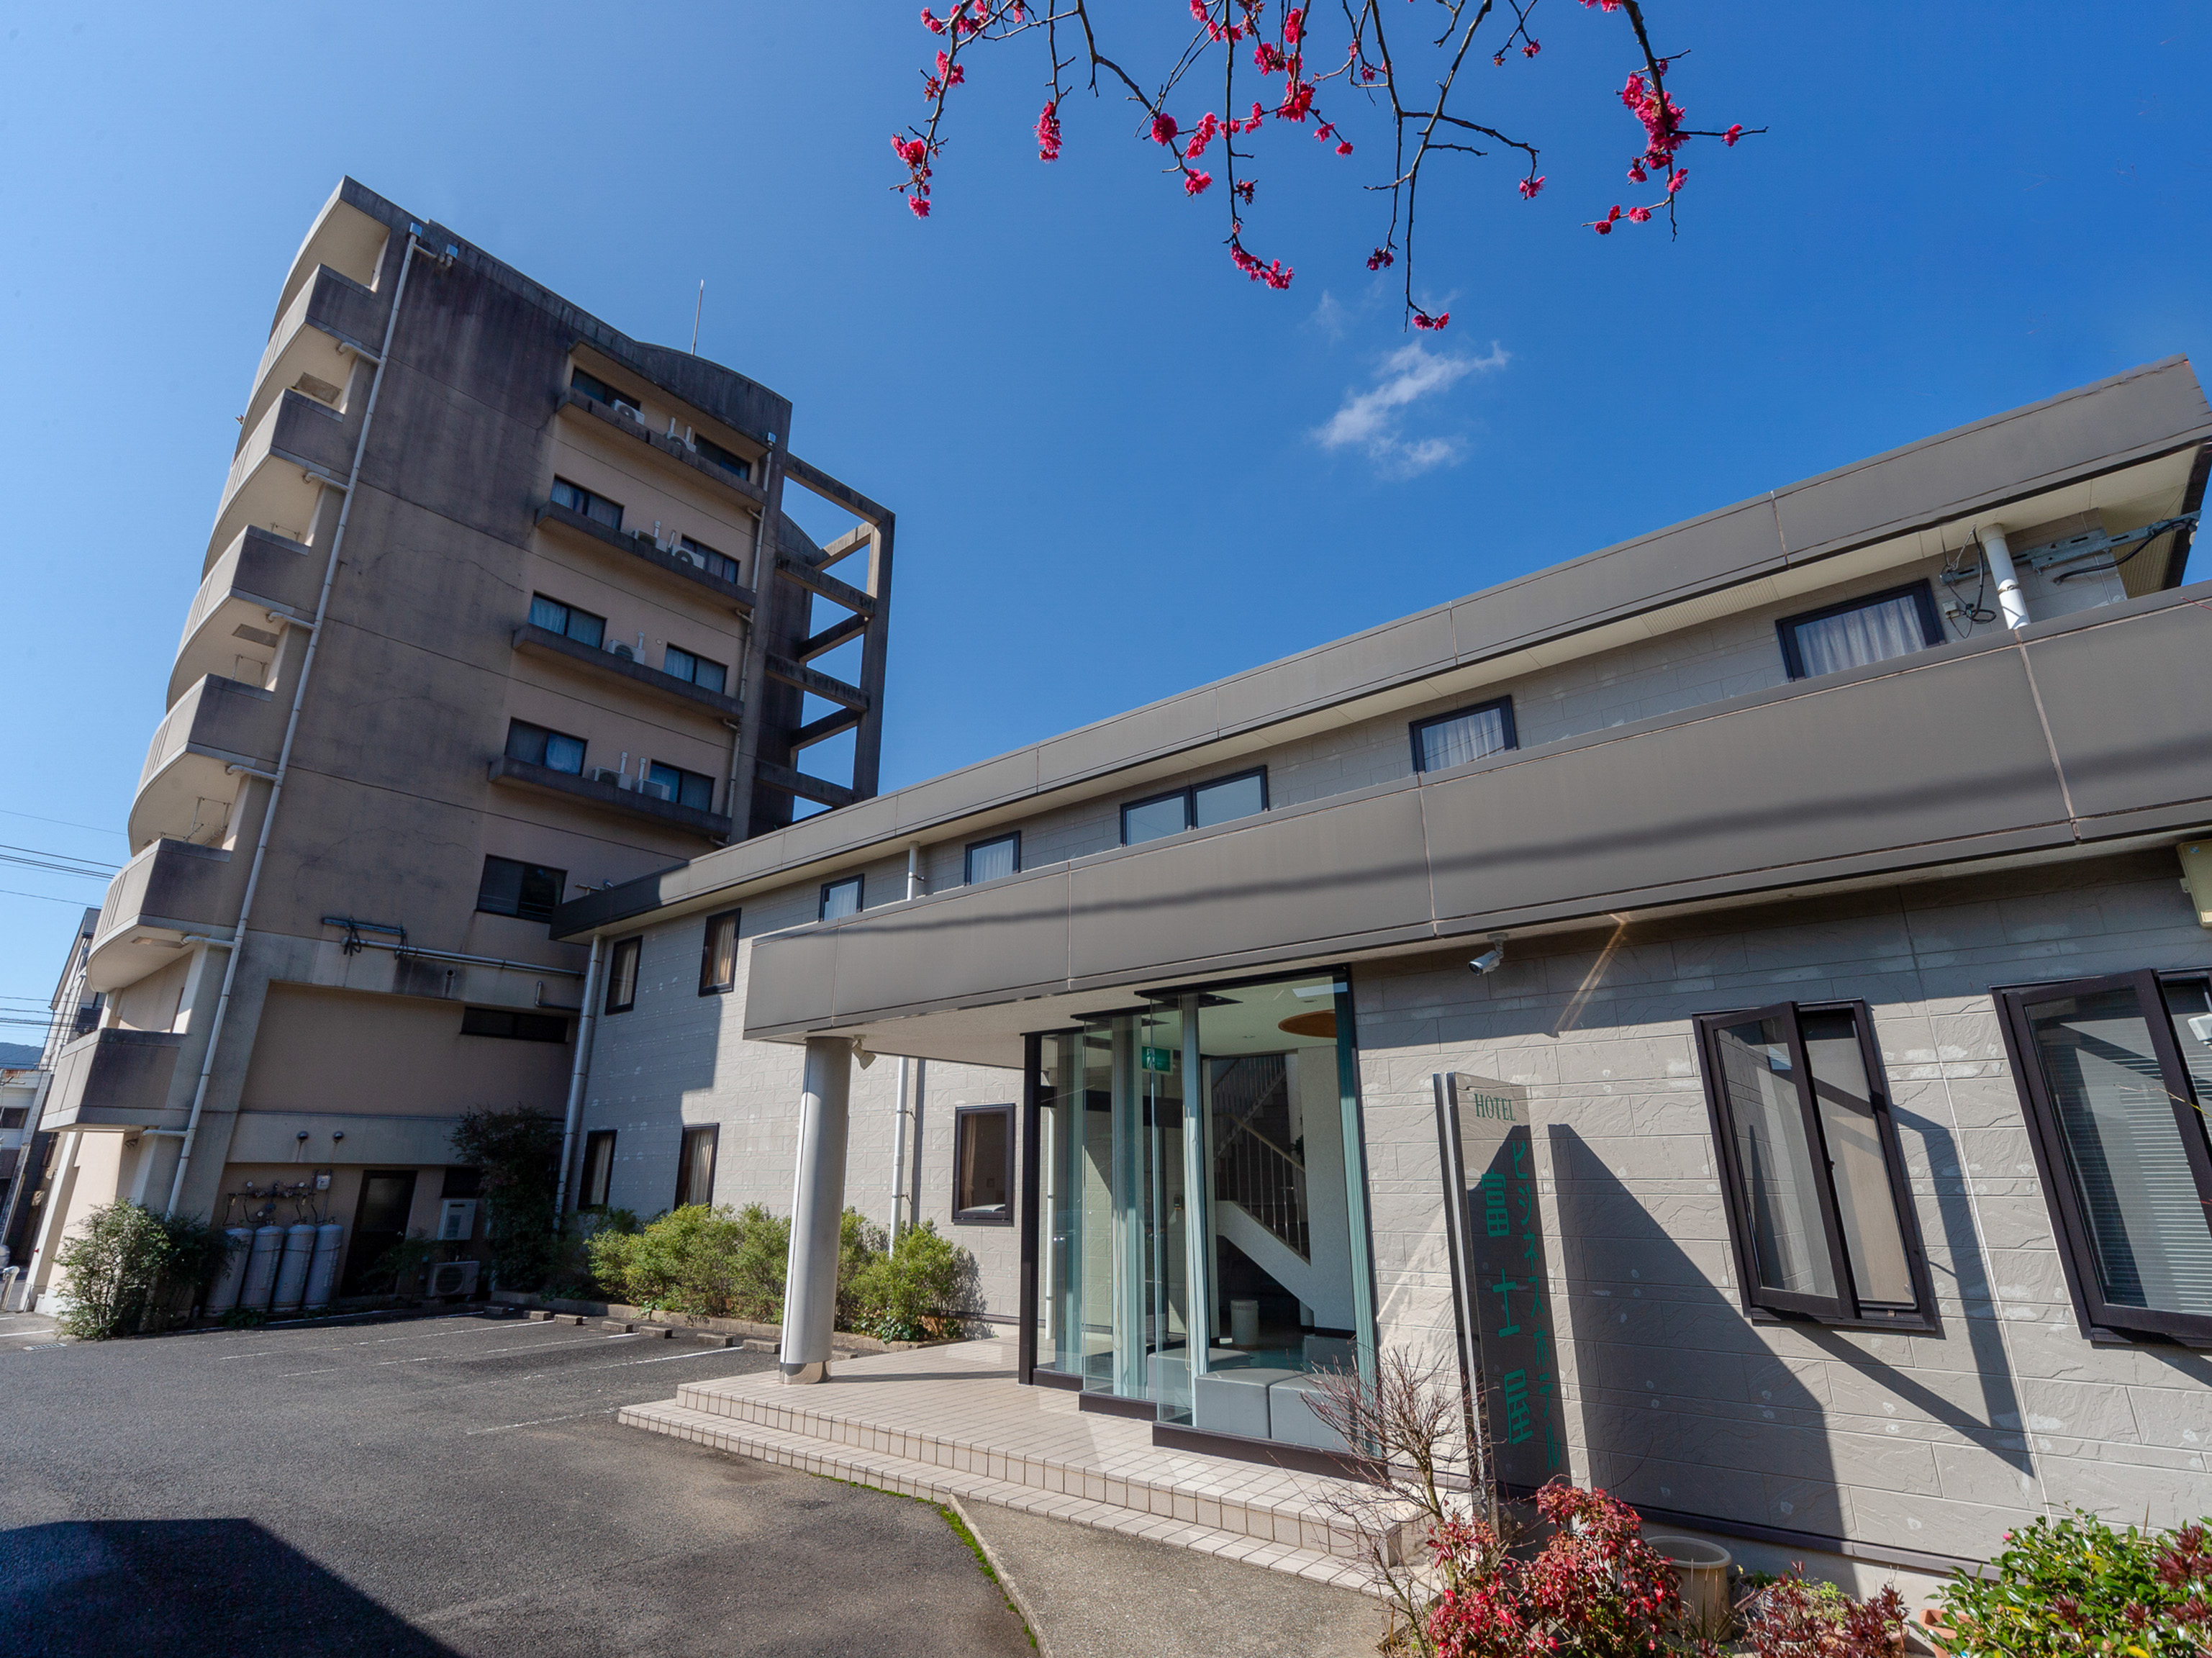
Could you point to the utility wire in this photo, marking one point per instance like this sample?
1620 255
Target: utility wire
97 829
61 863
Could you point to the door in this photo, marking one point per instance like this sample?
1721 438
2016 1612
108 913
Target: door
379 1221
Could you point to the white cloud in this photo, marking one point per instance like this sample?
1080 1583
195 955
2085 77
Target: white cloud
1373 419
1327 316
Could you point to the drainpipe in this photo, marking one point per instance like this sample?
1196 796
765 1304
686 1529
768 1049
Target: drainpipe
291 726
2008 580
900 1201
577 1073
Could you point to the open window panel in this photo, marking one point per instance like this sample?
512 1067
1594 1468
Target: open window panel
2112 1073
1812 1174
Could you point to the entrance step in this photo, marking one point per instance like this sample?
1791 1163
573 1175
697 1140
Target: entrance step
937 1482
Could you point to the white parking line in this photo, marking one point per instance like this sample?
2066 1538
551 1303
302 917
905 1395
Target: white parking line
539 1421
286 1375
460 1358
481 1327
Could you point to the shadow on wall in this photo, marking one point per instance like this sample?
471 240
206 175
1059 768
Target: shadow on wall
185 1589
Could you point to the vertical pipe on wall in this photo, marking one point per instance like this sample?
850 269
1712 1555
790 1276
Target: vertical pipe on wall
817 1205
579 1071
2009 601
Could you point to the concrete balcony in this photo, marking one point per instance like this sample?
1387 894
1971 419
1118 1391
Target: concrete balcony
168 895
276 478
607 666
256 585
313 342
189 781
608 797
115 1080
596 417
635 555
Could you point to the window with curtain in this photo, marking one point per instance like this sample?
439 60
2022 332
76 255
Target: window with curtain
599 1169
994 859
719 565
1453 739
530 891
707 676
718 953
578 498
1812 1171
1862 631
841 897
686 788
622 976
2111 1073
983 1165
566 620
695 1166
535 745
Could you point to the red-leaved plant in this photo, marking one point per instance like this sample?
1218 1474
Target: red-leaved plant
1791 1618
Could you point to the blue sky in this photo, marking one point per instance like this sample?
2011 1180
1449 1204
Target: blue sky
1119 468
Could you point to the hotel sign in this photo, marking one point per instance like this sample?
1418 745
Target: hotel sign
1501 1293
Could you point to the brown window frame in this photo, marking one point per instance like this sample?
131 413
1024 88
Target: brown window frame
1845 1309
627 953
2099 1318
693 1134
708 984
964 1118
593 1141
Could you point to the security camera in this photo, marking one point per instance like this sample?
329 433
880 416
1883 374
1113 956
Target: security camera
1488 961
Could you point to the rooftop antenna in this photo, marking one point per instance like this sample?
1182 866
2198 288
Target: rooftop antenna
696 310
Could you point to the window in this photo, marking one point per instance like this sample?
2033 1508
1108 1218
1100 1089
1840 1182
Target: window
531 891
695 1166
1811 1168
994 860
841 897
1201 806
622 976
719 565
983 1165
598 1171
598 390
577 499
2111 1073
709 449
12 1116
509 1022
1860 631
685 788
553 617
1453 739
537 746
707 676
718 953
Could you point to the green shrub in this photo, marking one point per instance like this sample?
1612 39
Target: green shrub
2077 1587
916 1291
399 1270
520 1154
131 1269
707 1262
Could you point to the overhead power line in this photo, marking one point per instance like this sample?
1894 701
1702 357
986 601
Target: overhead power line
61 863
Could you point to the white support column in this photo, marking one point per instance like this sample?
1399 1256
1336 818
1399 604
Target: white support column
818 1203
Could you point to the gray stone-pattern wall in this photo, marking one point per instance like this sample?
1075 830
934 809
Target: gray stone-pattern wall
1935 1442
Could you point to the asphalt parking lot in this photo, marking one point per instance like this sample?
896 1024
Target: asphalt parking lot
453 1484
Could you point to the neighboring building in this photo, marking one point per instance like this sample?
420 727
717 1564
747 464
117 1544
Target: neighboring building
30 1148
1826 864
499 605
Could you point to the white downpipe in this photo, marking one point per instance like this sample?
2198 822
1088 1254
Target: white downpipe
291 726
900 1218
2008 580
577 1074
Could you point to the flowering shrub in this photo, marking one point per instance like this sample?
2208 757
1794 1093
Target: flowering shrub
1791 1618
1597 1589
2078 1587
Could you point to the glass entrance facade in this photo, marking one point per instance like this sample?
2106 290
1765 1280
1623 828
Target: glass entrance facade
1200 1202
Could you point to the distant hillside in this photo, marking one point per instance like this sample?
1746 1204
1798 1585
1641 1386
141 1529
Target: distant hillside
17 1053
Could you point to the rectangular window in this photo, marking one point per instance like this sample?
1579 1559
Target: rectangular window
1861 631
2112 1072
695 1166
709 449
528 890
622 976
578 498
566 620
1453 739
983 1165
995 859
599 392
554 750
511 1023
707 676
685 788
1200 806
1811 1169
12 1116
718 953
598 1171
841 897
719 565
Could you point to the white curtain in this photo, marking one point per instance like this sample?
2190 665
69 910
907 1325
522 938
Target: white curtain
1456 742
1872 633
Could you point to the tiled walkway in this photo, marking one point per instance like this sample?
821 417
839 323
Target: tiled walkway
948 1421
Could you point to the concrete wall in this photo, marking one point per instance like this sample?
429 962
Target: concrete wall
1932 1442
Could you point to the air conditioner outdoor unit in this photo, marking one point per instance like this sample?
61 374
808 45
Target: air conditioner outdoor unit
658 791
623 651
453 1278
610 776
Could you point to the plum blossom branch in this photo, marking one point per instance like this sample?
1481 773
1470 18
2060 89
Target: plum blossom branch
1278 38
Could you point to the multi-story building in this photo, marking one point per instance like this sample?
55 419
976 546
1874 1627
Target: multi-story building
1742 992
499 605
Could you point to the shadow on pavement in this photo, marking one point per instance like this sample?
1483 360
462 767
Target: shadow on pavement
184 1589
